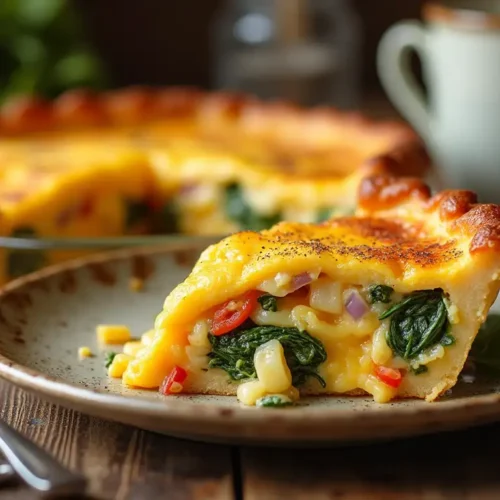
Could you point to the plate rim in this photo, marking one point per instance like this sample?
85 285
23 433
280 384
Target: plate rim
479 407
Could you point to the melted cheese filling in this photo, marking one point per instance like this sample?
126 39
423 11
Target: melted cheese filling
355 348
351 346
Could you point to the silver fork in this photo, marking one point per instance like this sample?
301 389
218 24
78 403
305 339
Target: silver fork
36 467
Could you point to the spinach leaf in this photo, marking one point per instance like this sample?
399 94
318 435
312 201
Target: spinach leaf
234 352
447 340
238 210
275 401
108 358
268 302
379 293
419 369
419 321
21 262
485 351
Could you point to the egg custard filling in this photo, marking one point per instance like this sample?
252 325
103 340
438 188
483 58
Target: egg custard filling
324 337
386 303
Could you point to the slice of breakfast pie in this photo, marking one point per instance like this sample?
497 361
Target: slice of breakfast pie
386 302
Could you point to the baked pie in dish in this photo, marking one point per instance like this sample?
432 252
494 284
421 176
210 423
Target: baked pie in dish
140 161
384 302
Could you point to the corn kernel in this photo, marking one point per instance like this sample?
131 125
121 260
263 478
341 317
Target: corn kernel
381 392
136 284
113 334
270 365
199 335
84 352
133 348
147 337
381 352
198 359
249 392
119 365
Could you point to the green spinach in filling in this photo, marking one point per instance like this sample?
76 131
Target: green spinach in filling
268 302
274 401
418 322
234 352
240 212
379 293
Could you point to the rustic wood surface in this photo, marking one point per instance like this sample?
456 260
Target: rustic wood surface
125 463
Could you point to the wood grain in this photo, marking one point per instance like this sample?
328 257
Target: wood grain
125 463
121 462
452 466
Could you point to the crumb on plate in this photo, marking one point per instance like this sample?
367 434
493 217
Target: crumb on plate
119 365
113 334
136 284
84 352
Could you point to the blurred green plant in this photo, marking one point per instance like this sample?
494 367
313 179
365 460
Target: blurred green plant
43 49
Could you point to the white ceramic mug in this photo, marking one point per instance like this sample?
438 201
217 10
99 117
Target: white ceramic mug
459 46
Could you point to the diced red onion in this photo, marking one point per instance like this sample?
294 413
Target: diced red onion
280 286
299 281
356 306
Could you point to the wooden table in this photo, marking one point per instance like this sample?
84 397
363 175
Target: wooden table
125 463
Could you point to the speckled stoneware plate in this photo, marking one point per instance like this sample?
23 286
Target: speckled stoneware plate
46 316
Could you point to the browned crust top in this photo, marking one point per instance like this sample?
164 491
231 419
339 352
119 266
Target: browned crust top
398 224
78 109
456 210
364 239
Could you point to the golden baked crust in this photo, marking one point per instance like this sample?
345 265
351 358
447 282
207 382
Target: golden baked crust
283 123
400 236
452 214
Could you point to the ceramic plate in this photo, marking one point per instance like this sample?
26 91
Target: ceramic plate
46 316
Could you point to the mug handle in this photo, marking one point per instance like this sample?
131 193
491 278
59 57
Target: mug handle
393 67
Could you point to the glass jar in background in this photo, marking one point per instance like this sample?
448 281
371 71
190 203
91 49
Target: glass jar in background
307 51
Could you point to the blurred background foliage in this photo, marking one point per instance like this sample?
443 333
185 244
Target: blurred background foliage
48 46
43 49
